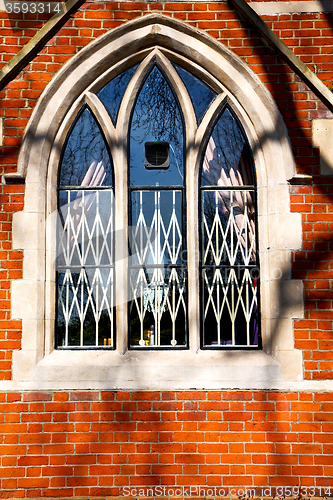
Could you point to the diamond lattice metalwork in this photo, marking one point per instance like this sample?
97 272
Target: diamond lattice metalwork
85 268
229 274
228 228
231 305
157 282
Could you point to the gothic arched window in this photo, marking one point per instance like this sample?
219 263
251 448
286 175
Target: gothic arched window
85 253
157 170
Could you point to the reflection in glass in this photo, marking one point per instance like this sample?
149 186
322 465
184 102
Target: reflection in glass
157 219
230 306
85 274
86 161
228 238
158 311
85 229
158 274
228 231
85 268
156 117
84 308
112 93
201 95
227 160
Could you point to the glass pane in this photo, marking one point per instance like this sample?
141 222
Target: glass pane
85 228
112 93
158 310
157 227
228 228
228 239
85 301
85 268
156 118
227 161
201 95
86 161
230 307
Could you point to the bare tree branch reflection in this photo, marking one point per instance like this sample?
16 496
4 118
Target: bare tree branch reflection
112 93
156 115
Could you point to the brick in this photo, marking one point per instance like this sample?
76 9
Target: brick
144 436
194 415
84 396
178 6
237 415
307 449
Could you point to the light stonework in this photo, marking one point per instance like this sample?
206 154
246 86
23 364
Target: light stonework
322 133
291 7
149 39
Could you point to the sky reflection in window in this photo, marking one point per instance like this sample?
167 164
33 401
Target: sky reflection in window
156 117
112 93
201 95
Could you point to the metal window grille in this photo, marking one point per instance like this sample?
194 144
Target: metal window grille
85 269
158 275
229 268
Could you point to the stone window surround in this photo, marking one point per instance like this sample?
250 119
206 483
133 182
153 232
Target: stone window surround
37 364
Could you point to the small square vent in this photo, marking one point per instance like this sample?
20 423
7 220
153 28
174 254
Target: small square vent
157 155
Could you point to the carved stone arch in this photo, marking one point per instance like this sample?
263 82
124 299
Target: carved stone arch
125 44
279 230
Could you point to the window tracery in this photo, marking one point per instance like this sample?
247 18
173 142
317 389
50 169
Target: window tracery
157 217
155 39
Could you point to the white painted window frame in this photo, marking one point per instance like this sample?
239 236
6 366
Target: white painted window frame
156 38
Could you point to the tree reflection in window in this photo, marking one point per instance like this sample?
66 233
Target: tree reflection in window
201 95
112 93
156 117
158 276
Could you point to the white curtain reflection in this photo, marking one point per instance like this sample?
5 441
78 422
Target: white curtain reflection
85 246
217 173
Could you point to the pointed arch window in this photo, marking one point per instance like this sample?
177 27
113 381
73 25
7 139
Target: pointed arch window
85 261
158 278
148 126
229 258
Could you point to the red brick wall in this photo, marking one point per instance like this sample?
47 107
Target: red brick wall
313 264
88 444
